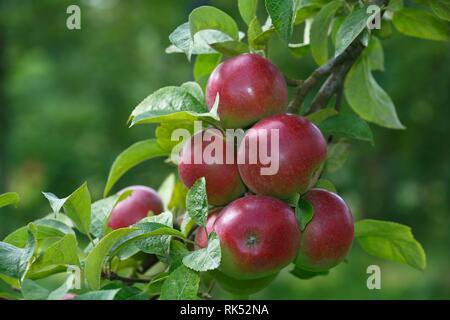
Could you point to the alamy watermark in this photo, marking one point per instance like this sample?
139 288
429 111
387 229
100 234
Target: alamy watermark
260 147
73 21
374 280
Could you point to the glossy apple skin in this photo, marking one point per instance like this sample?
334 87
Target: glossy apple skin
302 153
223 183
241 287
250 88
328 237
259 236
201 239
135 207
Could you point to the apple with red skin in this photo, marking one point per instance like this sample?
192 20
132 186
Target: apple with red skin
201 238
135 207
302 153
250 88
223 183
328 237
259 236
232 285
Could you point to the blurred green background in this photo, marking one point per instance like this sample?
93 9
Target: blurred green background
65 97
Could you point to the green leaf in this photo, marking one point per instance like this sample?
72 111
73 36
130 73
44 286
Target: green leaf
98 295
159 245
319 116
391 241
230 48
78 208
182 284
8 199
178 200
337 154
101 210
8 292
298 50
95 259
187 224
368 99
347 126
247 9
9 260
325 184
177 252
131 157
166 101
55 203
143 230
183 42
253 31
166 189
197 202
204 65
351 28
207 17
264 37
14 261
207 258
194 89
395 5
43 229
421 24
172 104
305 12
441 8
126 292
292 201
304 213
319 31
375 54
33 291
59 293
282 14
62 252
26 256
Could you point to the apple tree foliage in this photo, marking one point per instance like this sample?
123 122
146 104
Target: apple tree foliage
345 40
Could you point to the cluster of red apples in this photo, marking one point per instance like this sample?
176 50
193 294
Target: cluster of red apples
257 227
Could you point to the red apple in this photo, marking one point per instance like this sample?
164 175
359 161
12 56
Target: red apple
328 237
201 238
300 150
223 183
135 207
250 88
258 235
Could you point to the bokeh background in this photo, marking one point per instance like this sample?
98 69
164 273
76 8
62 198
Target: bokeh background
65 97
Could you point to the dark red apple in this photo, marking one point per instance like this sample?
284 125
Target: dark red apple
259 236
328 237
299 148
250 88
201 238
135 207
223 183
